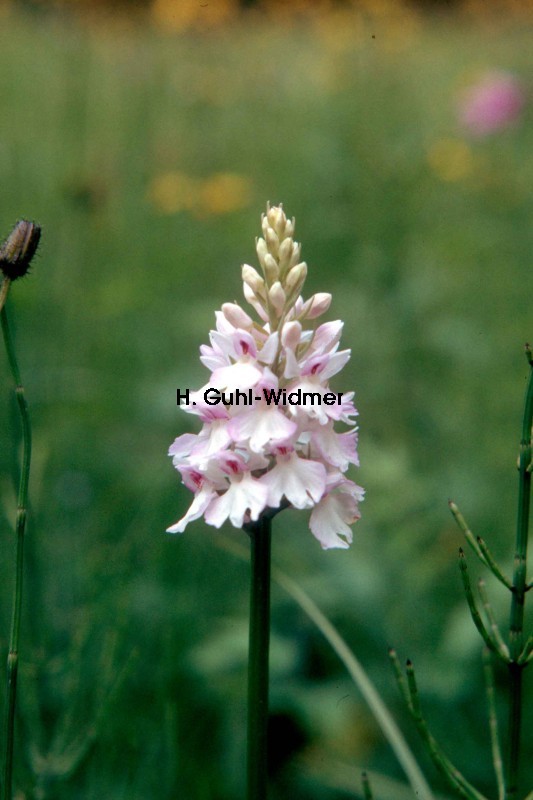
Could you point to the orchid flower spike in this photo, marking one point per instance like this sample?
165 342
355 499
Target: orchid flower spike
270 434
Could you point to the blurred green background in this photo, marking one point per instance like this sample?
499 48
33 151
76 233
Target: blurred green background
146 144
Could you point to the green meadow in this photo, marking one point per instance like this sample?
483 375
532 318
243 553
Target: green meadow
148 159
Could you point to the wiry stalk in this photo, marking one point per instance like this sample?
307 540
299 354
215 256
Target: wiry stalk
20 525
456 780
497 646
519 589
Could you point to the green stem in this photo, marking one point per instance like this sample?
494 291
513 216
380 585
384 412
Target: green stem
20 525
518 591
260 537
493 724
497 638
474 613
456 780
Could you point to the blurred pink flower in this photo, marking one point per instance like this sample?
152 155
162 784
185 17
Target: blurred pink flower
492 103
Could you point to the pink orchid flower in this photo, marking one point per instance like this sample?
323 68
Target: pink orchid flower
269 436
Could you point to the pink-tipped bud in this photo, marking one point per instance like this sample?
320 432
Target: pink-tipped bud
236 316
19 248
316 305
291 335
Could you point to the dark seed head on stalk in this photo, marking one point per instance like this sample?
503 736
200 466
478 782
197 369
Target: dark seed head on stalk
19 248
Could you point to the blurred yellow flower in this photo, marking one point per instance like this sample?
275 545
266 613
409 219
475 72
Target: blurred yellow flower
172 192
225 192
221 193
450 159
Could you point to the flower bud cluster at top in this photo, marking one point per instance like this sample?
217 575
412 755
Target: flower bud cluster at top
255 458
284 274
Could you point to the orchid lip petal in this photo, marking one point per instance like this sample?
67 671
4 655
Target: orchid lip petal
269 349
331 518
301 481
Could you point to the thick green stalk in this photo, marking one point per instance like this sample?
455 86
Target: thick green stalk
516 623
260 537
20 525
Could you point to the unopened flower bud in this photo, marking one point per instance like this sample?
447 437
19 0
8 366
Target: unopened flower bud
284 252
295 254
254 280
271 268
236 316
291 335
295 278
277 297
288 255
255 301
316 305
249 295
277 220
289 228
272 240
19 248
261 250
